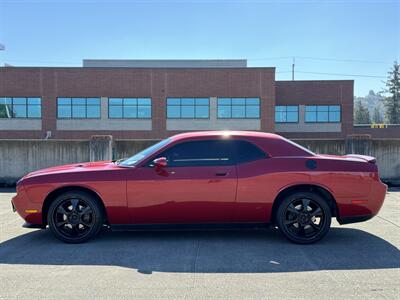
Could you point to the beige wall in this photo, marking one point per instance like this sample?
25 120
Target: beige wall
20 124
213 123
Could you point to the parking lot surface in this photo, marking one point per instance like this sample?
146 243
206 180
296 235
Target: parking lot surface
354 261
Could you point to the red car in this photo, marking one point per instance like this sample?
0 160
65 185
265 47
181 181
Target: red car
204 179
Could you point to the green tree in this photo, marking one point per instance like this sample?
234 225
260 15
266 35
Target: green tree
392 101
377 117
361 114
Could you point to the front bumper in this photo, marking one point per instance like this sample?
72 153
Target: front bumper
29 211
33 226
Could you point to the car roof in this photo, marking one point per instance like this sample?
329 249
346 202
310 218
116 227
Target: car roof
225 133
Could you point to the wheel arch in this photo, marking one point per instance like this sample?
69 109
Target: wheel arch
61 190
320 190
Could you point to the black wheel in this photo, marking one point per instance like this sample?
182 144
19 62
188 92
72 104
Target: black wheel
74 217
304 217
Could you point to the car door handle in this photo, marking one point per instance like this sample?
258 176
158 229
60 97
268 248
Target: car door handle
221 173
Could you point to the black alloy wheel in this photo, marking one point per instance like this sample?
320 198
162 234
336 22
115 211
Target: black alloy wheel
304 217
75 217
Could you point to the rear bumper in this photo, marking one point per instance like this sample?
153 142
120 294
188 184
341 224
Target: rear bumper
355 219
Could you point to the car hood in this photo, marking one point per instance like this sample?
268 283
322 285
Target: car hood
77 167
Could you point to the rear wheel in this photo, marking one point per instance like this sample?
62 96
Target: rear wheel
75 217
304 217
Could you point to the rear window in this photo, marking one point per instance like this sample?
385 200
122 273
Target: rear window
247 151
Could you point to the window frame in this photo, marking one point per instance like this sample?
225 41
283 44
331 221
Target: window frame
71 106
180 108
243 105
286 111
26 105
328 111
129 105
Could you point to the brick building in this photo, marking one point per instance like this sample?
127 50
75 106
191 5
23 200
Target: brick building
150 100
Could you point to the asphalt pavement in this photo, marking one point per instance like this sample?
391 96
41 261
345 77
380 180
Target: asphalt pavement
354 261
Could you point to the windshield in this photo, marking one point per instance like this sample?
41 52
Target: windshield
131 161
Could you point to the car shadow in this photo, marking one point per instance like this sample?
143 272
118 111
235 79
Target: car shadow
260 251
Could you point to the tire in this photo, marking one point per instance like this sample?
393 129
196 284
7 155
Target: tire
75 217
304 217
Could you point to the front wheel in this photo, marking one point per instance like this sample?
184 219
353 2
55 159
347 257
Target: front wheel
304 217
75 217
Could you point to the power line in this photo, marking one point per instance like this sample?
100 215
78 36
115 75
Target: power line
340 74
344 60
321 58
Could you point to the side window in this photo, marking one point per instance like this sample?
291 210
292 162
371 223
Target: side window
246 151
200 153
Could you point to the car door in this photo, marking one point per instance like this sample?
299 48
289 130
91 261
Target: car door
253 183
198 185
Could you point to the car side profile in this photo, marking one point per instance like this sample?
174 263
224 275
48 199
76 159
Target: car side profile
205 179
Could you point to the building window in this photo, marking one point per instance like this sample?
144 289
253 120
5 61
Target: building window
287 114
322 113
20 107
129 108
238 108
78 108
188 108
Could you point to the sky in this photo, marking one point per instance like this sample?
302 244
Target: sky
338 39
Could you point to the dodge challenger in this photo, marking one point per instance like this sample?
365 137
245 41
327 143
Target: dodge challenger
213 179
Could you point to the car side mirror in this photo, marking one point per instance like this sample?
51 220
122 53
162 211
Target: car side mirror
160 162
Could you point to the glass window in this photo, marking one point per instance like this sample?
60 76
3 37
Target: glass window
93 111
188 108
323 113
246 151
78 111
224 112
174 112
286 114
187 111
78 108
129 112
115 111
19 111
200 153
238 108
144 153
20 107
129 108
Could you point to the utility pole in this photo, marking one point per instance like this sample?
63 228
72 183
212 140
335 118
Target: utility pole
2 47
294 61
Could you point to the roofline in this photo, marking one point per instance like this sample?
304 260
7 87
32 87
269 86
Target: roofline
317 80
136 68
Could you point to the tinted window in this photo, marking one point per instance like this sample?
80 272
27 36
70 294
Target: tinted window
246 151
188 108
129 108
238 108
20 107
200 153
323 113
78 108
286 114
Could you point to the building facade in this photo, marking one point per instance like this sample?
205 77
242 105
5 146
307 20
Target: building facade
135 100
